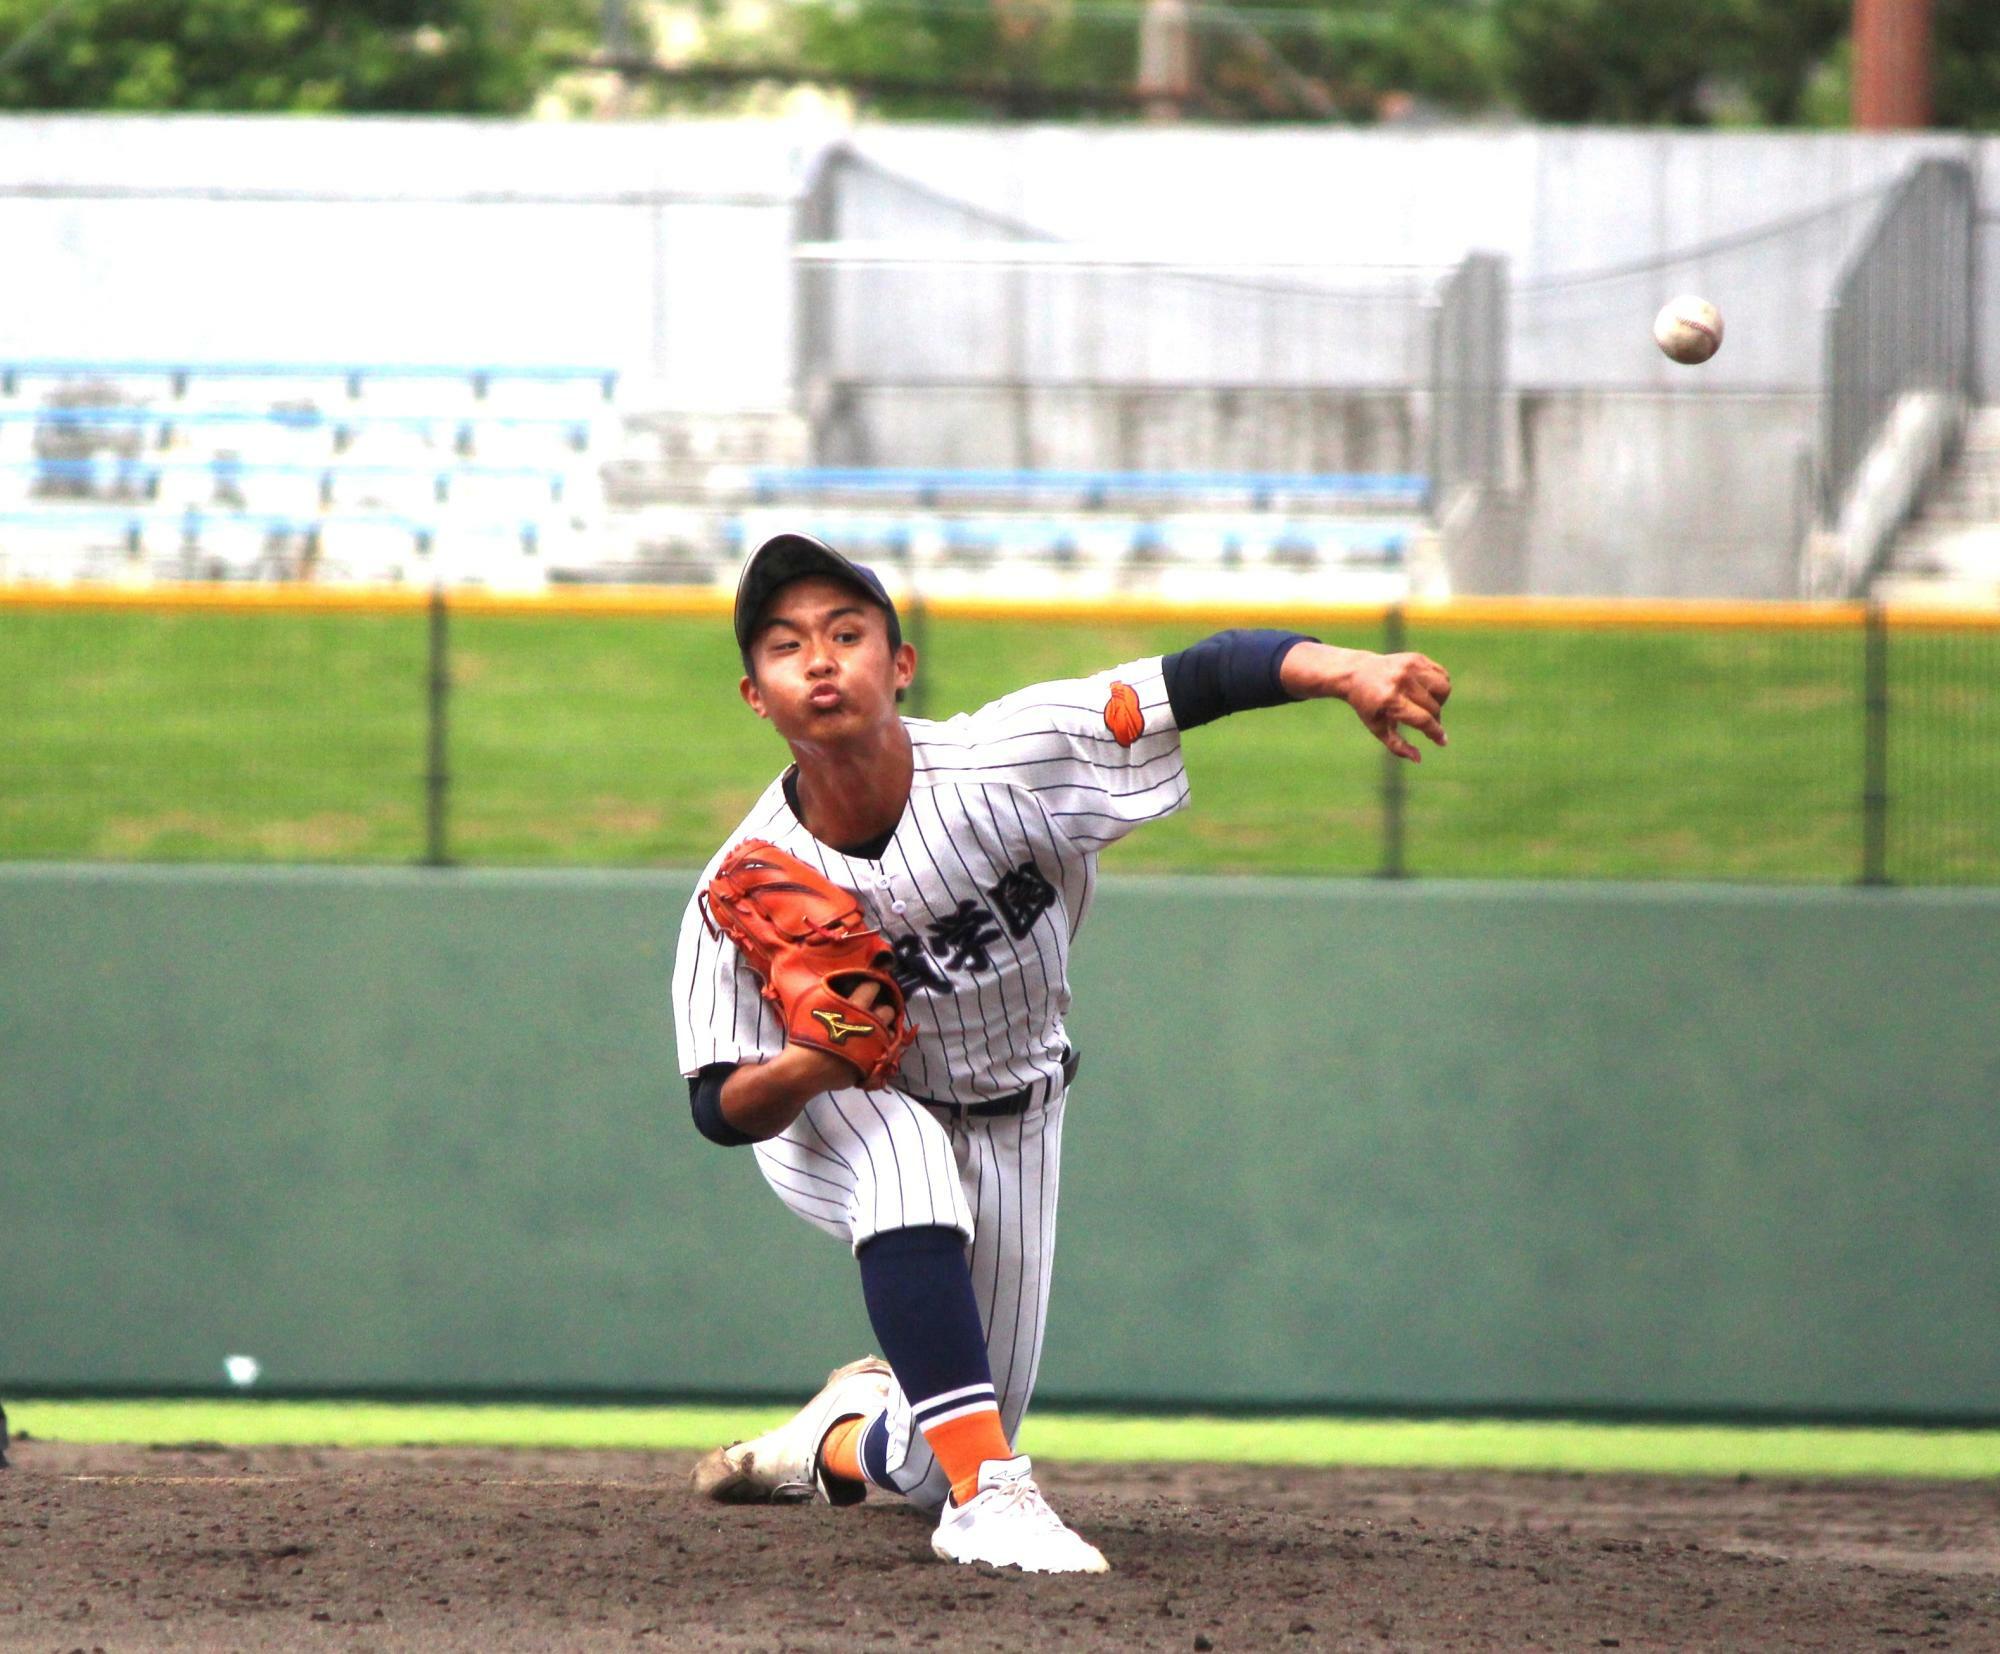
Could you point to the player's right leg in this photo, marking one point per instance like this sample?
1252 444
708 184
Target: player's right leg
889 1176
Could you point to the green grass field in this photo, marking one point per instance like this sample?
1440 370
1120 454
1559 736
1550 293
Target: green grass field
1678 1450
1729 754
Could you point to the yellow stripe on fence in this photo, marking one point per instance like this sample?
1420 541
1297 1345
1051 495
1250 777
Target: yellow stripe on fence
246 598
1554 613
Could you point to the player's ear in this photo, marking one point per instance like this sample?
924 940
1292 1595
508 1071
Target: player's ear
753 697
904 665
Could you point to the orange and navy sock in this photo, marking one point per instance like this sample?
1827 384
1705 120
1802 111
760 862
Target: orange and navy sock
840 1450
964 1432
921 1304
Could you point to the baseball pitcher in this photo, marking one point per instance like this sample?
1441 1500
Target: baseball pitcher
870 992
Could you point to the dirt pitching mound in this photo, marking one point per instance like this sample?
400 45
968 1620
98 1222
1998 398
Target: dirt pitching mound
123 1548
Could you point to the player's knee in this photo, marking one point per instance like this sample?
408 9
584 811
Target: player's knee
915 1241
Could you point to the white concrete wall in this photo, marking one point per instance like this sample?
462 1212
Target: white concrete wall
1635 495
660 249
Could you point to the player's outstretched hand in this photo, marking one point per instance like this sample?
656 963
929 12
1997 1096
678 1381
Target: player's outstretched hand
1388 692
1391 691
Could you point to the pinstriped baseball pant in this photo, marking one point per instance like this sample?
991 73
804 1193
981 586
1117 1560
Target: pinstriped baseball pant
859 1163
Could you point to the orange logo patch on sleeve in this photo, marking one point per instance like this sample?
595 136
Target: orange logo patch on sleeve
1122 715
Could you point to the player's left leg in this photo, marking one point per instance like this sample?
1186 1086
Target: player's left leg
788 1465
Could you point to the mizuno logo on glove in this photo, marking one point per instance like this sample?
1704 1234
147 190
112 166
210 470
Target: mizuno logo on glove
839 1030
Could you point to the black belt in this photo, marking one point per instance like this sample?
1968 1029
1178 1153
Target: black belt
1015 1102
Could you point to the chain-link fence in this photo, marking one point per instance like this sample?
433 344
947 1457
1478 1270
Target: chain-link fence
1750 743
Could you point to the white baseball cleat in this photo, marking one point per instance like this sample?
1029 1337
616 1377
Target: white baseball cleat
1009 1524
781 1467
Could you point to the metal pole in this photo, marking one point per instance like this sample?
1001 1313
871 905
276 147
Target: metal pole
437 772
1875 748
1892 64
915 633
1393 866
1435 435
1832 389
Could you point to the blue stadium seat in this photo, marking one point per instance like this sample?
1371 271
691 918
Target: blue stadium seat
178 377
967 539
1089 490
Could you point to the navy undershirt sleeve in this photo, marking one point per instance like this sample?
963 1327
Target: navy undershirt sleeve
705 1098
1232 671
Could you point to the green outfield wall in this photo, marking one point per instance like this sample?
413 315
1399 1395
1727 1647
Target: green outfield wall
1334 1143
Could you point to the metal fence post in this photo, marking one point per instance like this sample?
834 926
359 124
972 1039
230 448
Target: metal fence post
1393 866
916 634
437 771
1875 747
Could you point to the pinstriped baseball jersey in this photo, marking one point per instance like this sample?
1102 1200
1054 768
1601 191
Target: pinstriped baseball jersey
979 888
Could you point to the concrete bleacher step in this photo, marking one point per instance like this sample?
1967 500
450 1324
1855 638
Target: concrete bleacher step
1937 592
675 440
630 484
1950 551
1969 492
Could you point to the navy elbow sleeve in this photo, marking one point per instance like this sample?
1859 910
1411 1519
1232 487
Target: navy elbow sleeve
1232 671
705 1099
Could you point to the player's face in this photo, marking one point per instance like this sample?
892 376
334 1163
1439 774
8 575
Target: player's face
821 668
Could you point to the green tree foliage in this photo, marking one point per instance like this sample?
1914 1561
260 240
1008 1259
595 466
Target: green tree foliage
1369 58
1699 62
1966 64
1680 62
1688 62
1282 59
1624 62
939 58
380 56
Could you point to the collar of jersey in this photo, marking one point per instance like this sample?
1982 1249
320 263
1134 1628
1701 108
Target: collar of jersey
867 850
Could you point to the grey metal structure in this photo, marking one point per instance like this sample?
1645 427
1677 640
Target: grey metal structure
929 333
1469 377
1901 317
1038 359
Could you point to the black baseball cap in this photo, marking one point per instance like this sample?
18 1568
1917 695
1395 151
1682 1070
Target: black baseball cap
786 557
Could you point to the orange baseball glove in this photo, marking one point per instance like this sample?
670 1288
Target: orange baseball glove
807 941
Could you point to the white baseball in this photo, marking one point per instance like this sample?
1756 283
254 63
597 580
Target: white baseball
1689 329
